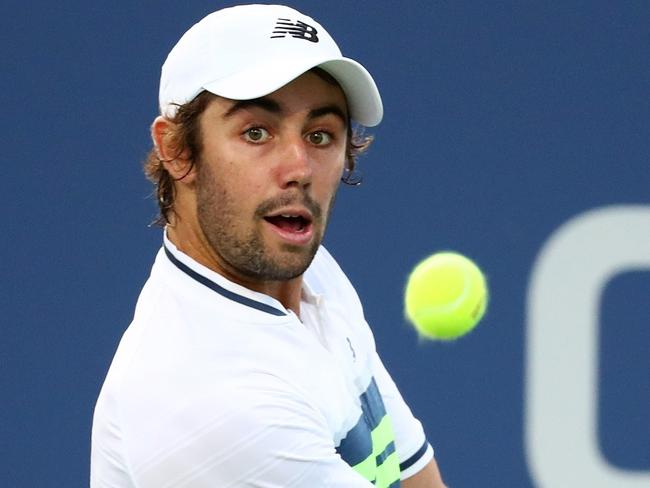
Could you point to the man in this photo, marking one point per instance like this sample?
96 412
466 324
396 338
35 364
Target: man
249 361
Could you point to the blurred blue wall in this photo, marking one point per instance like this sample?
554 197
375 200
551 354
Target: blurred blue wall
510 128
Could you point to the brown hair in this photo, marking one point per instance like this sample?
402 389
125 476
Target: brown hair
187 138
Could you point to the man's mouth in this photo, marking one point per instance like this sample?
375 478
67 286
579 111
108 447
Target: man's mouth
289 222
292 220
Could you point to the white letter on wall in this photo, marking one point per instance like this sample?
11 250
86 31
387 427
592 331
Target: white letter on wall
561 414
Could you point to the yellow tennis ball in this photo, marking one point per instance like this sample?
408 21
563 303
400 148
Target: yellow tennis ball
446 296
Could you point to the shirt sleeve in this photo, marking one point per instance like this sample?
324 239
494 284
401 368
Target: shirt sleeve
413 449
265 438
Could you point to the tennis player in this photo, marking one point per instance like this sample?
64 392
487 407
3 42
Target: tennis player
249 362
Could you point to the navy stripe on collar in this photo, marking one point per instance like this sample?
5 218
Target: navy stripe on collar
263 307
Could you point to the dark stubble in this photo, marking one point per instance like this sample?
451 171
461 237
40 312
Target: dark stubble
244 250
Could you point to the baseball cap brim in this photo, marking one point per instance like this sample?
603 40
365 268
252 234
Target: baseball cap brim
263 78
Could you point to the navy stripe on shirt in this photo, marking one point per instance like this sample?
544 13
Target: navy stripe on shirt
263 307
415 457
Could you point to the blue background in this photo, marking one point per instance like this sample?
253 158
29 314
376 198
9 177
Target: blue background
502 121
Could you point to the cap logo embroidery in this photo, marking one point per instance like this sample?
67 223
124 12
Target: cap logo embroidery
298 30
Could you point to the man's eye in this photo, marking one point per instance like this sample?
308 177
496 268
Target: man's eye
256 135
319 138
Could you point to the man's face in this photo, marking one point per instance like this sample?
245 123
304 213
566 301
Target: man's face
268 175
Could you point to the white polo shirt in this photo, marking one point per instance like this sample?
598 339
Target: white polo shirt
215 385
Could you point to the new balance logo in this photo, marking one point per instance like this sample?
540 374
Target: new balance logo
297 29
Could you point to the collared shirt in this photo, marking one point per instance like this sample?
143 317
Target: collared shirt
216 385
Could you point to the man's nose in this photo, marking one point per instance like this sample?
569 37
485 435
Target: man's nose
295 165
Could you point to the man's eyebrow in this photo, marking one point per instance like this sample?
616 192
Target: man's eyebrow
274 107
263 103
329 109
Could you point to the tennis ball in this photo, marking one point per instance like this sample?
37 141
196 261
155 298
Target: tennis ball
446 296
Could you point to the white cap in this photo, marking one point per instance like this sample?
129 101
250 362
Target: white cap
249 51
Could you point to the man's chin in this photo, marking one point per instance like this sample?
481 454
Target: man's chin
296 264
291 262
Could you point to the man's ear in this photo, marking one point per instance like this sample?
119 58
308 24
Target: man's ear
178 164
